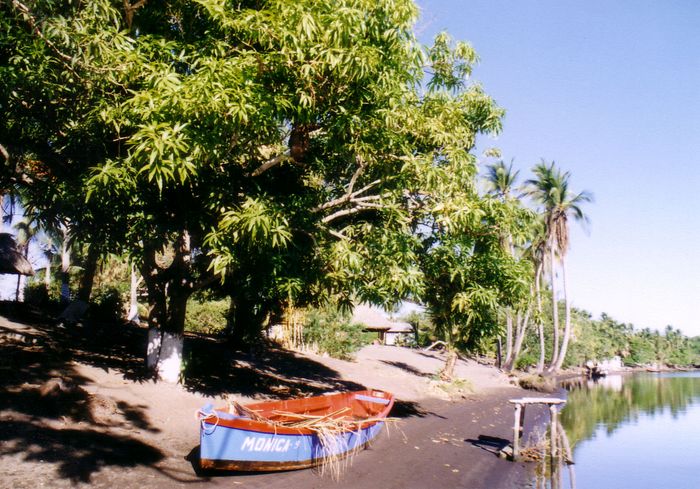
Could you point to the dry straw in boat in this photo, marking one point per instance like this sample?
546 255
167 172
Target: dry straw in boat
329 429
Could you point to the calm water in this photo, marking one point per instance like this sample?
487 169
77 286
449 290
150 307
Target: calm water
636 432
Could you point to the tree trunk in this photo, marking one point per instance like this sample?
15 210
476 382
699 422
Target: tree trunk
166 318
499 353
567 321
133 315
540 326
448 371
520 329
170 357
245 319
88 277
555 307
47 276
509 337
21 279
65 266
19 293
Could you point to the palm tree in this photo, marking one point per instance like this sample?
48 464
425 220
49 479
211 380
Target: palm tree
25 231
550 188
537 252
501 180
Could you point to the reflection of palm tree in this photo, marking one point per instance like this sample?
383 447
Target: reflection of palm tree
550 188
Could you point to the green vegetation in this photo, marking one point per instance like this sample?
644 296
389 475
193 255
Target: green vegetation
227 162
605 338
330 331
205 315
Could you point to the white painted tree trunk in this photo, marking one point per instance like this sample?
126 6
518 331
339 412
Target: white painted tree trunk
170 358
164 354
133 297
153 348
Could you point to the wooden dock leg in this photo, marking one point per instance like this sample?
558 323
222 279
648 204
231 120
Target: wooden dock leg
516 430
553 430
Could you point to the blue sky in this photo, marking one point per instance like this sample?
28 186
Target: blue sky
611 92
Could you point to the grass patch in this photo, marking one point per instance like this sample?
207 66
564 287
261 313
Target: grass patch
537 383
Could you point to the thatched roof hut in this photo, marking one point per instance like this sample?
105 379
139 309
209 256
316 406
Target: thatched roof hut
11 260
373 319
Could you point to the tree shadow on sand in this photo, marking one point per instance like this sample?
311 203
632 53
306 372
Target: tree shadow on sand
77 453
48 416
214 369
212 366
407 368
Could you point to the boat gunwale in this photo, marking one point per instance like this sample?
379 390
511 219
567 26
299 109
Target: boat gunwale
244 423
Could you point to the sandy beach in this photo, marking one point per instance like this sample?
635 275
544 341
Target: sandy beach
76 412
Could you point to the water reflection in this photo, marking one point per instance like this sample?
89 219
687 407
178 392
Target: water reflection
611 402
628 431
553 456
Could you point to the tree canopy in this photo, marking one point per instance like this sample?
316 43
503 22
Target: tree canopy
294 151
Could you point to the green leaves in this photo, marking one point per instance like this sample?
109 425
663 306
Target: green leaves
161 151
293 141
256 223
451 67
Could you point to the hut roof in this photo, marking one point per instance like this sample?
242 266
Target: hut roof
374 320
400 327
371 317
11 260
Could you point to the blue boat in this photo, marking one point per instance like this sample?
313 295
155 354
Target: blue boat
284 435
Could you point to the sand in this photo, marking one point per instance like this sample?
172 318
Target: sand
77 412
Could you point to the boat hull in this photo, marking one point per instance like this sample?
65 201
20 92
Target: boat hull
233 449
230 442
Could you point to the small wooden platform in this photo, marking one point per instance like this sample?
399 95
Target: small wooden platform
520 405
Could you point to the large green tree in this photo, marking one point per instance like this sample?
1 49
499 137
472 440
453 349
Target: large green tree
291 149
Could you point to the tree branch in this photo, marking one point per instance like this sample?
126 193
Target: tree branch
365 188
360 168
337 234
349 193
341 213
269 164
32 23
129 10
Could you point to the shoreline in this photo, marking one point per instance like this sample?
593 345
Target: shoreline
76 414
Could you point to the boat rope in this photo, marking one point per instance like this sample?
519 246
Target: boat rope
203 416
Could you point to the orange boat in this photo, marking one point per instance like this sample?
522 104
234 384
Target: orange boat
287 435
